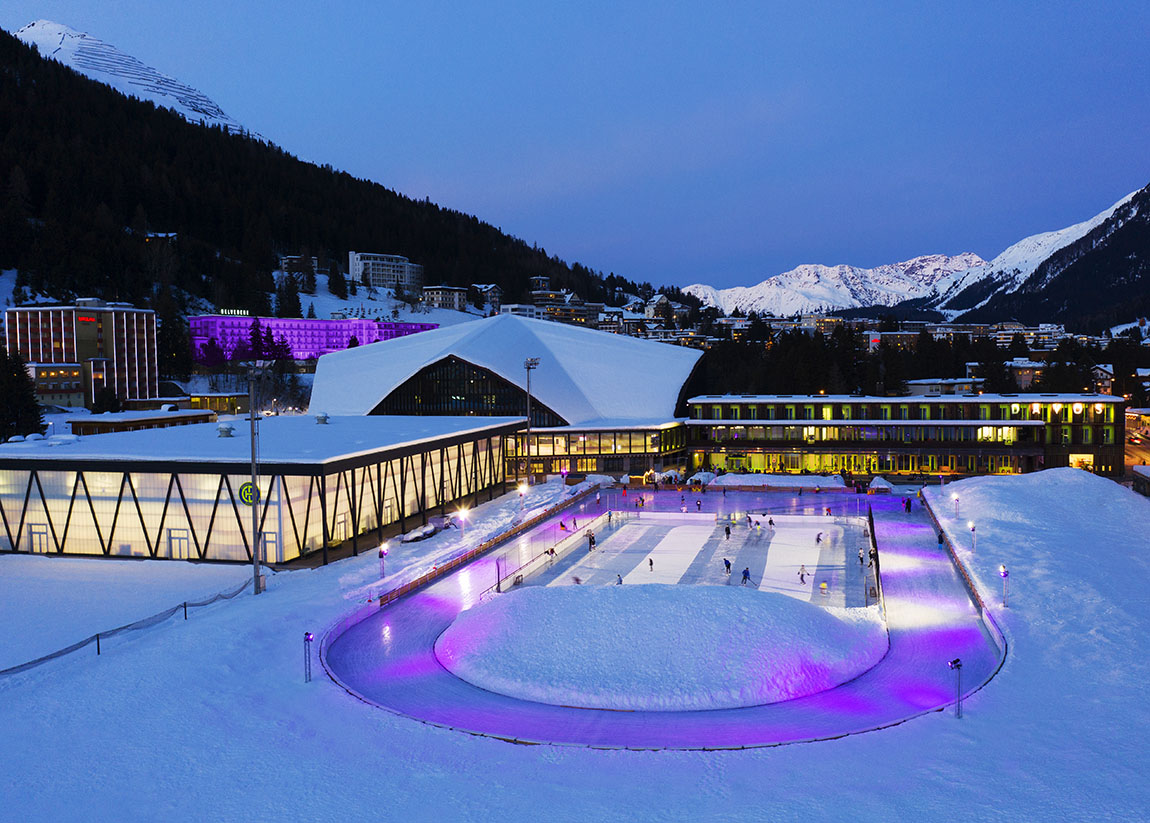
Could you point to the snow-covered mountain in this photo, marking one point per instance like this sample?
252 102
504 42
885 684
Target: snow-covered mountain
105 63
817 288
952 285
1007 272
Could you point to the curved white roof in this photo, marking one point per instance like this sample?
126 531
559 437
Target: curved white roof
584 376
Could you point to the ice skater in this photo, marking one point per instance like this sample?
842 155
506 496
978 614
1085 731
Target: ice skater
698 505
803 575
771 523
727 566
860 557
618 580
746 576
651 563
577 580
727 531
818 538
596 498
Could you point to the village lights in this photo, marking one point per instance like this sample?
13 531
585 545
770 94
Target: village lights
1004 574
956 666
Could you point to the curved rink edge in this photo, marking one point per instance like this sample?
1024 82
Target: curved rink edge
388 661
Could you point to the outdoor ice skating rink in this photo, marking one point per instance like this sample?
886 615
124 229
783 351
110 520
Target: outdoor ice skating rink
388 660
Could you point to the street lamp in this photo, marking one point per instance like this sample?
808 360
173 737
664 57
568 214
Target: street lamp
956 666
382 559
1004 574
254 368
462 515
522 498
973 536
529 364
955 498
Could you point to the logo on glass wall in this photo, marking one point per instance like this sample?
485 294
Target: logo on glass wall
249 494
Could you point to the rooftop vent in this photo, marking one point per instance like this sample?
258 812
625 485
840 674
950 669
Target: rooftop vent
225 430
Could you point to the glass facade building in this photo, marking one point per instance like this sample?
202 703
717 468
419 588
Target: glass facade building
915 435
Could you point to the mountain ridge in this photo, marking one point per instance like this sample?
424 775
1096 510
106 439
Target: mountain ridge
105 63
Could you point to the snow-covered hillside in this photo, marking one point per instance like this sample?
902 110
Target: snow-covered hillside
1012 268
937 277
816 287
104 62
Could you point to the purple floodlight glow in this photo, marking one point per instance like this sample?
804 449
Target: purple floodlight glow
306 338
930 618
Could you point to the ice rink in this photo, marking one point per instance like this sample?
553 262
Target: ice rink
675 548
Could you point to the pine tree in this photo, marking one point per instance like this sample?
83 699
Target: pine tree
336 284
311 311
20 413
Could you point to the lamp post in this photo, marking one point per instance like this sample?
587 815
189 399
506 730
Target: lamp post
529 364
462 515
522 496
1004 574
973 536
955 497
382 560
956 666
254 369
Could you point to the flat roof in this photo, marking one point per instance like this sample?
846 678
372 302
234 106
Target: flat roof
1029 397
295 440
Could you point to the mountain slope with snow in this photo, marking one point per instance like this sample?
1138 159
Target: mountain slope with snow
1008 271
817 288
952 285
105 63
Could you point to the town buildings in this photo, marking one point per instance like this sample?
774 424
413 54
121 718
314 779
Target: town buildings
385 271
109 345
308 338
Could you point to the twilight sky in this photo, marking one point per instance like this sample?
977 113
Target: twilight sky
679 143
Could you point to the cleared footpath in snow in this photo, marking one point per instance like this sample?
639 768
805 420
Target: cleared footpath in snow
389 660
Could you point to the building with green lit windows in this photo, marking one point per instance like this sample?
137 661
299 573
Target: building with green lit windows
915 435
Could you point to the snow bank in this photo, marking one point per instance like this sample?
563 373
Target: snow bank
880 482
786 481
702 477
658 647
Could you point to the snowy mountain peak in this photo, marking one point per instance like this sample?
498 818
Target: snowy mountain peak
105 63
812 287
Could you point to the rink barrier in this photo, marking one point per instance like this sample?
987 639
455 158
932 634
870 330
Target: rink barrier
536 563
987 616
877 562
145 623
360 614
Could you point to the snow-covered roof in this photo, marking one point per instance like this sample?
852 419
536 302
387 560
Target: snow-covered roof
1021 397
584 376
284 439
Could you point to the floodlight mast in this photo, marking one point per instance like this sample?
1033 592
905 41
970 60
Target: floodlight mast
529 364
254 367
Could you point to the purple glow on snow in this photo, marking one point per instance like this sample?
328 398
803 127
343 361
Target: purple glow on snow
930 617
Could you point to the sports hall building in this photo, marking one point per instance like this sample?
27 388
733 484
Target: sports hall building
600 402
918 435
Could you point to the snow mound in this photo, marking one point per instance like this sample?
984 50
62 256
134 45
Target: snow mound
658 647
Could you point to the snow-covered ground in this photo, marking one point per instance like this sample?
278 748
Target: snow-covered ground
211 719
735 647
